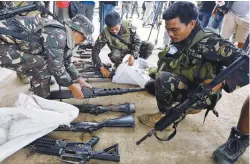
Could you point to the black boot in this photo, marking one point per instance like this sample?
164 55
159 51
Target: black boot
229 152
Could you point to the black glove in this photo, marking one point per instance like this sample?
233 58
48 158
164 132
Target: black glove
150 87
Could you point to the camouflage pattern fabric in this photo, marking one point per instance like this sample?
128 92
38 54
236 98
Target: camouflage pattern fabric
116 56
171 89
138 49
54 60
183 73
6 4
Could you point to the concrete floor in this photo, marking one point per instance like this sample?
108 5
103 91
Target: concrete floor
194 142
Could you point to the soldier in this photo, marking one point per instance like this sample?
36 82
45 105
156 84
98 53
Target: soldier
21 23
5 5
52 56
195 56
122 39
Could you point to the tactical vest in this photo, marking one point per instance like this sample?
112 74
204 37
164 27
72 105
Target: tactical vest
188 63
115 43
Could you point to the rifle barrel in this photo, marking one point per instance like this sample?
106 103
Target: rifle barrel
93 92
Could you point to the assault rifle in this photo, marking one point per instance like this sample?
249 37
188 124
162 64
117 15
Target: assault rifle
92 92
178 112
89 127
127 108
75 152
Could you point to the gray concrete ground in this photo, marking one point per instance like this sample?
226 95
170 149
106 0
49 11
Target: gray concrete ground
194 142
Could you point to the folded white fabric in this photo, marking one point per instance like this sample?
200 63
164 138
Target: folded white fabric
31 118
136 74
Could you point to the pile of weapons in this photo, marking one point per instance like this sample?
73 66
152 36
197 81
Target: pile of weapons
79 153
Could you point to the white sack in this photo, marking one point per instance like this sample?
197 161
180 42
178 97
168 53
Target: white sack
31 118
136 74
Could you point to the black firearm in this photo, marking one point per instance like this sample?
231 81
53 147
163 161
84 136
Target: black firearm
177 113
127 108
9 13
75 152
89 127
92 92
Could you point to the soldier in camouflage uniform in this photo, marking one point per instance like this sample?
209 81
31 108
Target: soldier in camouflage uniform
196 56
122 39
5 5
51 57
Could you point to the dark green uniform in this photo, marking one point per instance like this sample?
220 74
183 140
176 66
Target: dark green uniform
131 45
200 57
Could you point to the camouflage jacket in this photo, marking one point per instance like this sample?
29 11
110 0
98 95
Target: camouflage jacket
55 48
204 60
102 40
59 55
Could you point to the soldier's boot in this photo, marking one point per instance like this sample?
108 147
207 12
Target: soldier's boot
150 120
24 79
229 152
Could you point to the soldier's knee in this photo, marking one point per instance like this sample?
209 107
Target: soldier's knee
116 57
146 49
41 88
162 84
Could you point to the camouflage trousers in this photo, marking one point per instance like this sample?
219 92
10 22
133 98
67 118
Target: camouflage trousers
171 89
116 56
31 65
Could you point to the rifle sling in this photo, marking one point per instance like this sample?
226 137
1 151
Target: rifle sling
175 124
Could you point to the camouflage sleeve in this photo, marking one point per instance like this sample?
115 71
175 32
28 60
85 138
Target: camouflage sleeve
136 43
101 41
71 69
54 44
225 53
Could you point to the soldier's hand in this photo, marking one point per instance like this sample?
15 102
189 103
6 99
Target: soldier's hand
131 60
83 83
76 91
217 87
105 72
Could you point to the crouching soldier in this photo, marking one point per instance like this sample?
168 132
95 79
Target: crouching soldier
48 52
122 39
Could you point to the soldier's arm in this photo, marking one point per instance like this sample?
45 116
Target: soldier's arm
136 43
225 53
101 41
71 68
54 44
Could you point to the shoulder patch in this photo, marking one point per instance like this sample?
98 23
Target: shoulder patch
100 37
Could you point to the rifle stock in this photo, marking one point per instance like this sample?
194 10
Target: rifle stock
75 152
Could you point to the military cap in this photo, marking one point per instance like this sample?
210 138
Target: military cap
82 25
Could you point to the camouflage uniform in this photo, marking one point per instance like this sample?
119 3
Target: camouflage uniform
180 74
119 49
55 59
